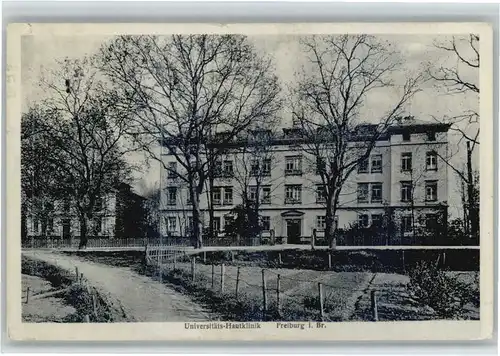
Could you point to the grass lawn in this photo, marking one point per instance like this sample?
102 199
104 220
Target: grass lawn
50 309
346 288
299 290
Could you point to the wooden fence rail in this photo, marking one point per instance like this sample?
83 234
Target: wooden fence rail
160 258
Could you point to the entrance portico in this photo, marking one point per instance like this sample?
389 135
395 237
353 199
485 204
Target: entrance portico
293 223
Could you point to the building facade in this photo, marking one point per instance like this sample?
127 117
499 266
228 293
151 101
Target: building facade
120 213
405 176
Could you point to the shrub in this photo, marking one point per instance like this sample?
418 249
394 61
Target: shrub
444 294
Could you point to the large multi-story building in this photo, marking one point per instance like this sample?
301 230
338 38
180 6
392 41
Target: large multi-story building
405 174
120 213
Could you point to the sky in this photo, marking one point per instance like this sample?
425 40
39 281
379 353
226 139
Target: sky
39 55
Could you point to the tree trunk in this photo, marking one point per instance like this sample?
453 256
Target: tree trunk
255 216
24 222
464 208
197 227
330 225
473 216
211 206
44 226
83 231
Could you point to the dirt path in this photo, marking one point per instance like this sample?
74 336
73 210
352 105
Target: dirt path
143 299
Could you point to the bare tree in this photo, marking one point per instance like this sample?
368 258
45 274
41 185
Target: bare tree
87 130
186 91
462 78
255 160
152 197
341 72
40 171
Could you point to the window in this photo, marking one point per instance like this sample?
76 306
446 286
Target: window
216 223
266 223
252 193
431 221
266 167
228 168
376 164
406 161
171 223
431 136
320 165
293 165
254 167
320 193
431 161
228 220
228 195
98 224
217 168
36 224
363 220
363 166
406 191
376 220
98 203
293 194
406 136
321 222
216 196
172 170
193 150
376 193
266 195
430 190
50 224
363 192
406 224
171 196
190 225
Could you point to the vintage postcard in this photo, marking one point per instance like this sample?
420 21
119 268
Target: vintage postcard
250 181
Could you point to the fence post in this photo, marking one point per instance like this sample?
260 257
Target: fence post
193 268
158 264
94 305
27 294
86 318
232 256
374 305
403 259
278 287
175 259
444 259
77 274
81 278
213 274
264 295
204 256
320 297
279 258
146 254
222 278
329 261
237 281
